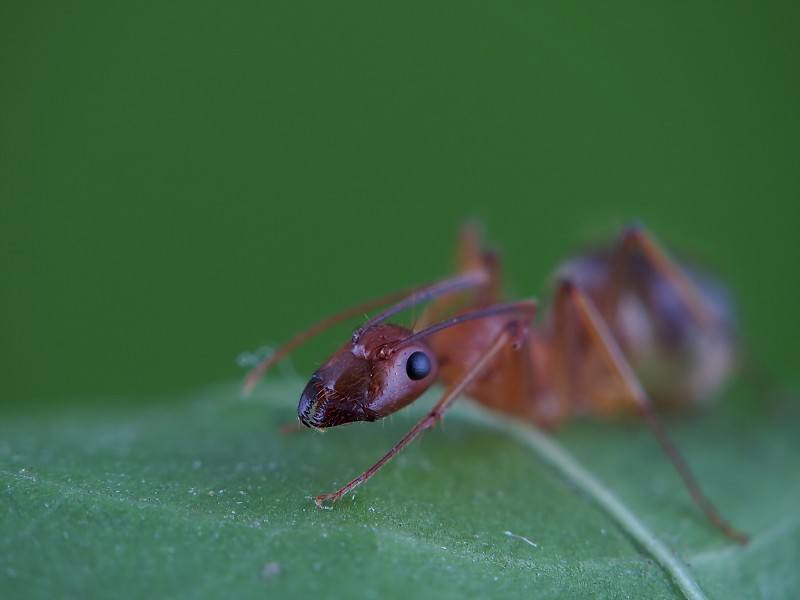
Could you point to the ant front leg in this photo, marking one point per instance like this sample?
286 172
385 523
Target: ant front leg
513 333
574 303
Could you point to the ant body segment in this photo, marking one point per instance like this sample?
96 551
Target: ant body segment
629 329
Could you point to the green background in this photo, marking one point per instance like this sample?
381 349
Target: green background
185 181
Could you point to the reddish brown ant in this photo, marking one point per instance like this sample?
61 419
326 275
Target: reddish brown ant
619 311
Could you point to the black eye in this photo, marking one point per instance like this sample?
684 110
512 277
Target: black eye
418 366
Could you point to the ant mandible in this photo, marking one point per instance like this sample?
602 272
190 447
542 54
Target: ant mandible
617 312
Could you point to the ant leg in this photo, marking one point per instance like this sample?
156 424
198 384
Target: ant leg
513 333
600 336
471 255
636 239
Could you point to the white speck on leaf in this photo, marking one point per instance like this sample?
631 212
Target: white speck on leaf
523 538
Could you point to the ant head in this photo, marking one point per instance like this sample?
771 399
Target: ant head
368 379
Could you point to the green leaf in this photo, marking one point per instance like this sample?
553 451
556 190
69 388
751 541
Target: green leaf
203 496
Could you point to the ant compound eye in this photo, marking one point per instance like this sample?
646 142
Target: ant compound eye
418 366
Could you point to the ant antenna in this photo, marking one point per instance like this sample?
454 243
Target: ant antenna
466 281
403 299
526 307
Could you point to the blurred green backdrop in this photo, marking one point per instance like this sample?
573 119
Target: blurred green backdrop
185 181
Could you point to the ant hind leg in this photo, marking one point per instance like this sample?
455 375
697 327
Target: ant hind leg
576 313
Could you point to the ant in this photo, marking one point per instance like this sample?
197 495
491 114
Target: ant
624 320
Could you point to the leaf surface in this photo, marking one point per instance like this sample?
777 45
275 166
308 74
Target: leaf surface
204 496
